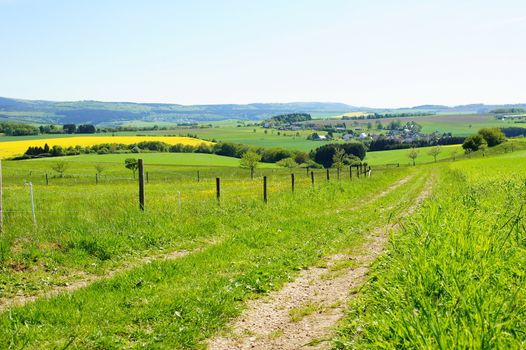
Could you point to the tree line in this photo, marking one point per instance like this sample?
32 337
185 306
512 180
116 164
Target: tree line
382 143
290 118
387 115
322 156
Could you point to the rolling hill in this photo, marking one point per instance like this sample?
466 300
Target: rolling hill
115 113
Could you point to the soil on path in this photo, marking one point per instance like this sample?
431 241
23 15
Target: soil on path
304 312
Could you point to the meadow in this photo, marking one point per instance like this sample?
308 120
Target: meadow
455 274
84 230
175 274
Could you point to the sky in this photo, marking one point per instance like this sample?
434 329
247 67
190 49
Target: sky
376 53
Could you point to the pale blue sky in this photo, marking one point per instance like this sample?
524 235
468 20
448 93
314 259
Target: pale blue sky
367 52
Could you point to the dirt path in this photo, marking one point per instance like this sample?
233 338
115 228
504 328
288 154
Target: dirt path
304 312
84 279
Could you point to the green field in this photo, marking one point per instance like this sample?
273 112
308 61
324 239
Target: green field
169 159
176 274
227 132
400 156
457 124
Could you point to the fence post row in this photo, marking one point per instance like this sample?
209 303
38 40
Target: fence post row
141 184
265 199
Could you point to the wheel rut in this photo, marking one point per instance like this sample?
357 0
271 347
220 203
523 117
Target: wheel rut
304 312
84 279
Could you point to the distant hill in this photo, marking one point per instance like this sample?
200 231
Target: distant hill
96 112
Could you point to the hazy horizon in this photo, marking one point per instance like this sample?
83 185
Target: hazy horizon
264 102
366 54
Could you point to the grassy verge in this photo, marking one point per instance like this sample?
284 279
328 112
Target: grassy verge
454 277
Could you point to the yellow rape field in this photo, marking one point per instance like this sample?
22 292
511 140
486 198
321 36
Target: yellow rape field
16 148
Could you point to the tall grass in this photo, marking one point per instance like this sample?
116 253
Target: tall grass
455 275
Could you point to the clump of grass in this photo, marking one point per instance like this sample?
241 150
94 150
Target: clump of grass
299 313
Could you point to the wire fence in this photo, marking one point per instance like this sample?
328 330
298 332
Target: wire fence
34 194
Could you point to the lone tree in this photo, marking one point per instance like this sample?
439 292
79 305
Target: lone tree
99 168
339 159
473 143
60 167
132 164
250 160
413 154
434 152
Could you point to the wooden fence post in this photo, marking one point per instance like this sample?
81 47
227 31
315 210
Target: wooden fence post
265 199
312 178
307 171
1 197
292 181
198 177
350 171
141 184
218 190
32 199
147 177
47 180
328 175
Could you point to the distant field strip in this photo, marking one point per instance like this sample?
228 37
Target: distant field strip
14 148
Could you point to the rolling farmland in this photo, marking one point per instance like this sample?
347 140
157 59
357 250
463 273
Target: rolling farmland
14 148
178 273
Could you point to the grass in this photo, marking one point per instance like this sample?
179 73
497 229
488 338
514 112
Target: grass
400 156
457 124
448 153
172 159
296 140
454 277
247 249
